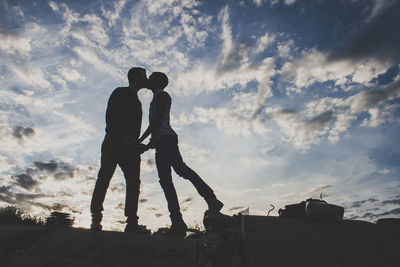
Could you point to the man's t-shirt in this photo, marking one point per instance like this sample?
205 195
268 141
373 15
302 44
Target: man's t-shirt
124 113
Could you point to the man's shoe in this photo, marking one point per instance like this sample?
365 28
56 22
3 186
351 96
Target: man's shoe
137 229
96 227
214 205
96 222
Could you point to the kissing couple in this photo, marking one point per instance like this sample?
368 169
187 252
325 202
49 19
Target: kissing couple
123 146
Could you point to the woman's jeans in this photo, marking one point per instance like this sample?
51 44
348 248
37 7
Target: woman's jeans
167 156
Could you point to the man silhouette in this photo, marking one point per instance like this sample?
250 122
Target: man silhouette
165 141
120 147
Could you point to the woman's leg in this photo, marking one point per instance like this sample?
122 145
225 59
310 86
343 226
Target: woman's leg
164 173
186 172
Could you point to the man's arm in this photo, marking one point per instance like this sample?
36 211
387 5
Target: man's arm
162 104
113 113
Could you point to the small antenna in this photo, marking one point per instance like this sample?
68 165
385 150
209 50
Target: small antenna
273 207
320 196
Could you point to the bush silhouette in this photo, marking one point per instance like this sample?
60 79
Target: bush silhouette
14 215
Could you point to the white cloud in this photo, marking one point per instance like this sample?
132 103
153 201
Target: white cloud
226 34
112 16
285 49
15 45
313 66
380 6
91 58
5 165
31 76
264 42
368 99
381 114
331 117
273 2
386 171
59 80
289 2
71 74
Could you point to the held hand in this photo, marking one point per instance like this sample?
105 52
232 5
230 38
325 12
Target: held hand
142 148
151 144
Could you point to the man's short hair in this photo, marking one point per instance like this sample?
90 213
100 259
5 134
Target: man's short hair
134 72
161 78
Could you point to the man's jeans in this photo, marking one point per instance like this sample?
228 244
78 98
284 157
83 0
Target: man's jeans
167 156
113 153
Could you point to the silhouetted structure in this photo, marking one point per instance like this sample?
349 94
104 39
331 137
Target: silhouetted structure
59 219
240 240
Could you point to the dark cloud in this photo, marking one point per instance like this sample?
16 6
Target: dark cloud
150 162
19 197
63 175
4 189
367 99
158 215
91 168
143 200
26 181
365 215
30 200
90 178
20 132
320 120
392 201
120 206
58 207
40 205
390 212
120 189
66 166
31 171
379 38
50 166
233 59
189 199
6 195
288 111
359 203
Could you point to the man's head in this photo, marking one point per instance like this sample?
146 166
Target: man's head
137 78
158 80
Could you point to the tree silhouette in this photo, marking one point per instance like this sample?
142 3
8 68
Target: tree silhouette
14 215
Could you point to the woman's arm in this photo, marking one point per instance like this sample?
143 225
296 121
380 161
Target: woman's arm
162 104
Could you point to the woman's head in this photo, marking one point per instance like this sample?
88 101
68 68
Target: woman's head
158 80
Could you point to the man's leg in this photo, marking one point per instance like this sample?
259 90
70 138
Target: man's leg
107 168
131 170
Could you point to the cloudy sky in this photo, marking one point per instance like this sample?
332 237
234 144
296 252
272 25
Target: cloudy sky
274 101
